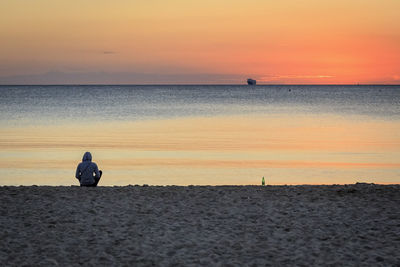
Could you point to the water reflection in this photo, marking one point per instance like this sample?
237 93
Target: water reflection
287 149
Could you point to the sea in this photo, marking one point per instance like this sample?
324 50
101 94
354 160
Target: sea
201 134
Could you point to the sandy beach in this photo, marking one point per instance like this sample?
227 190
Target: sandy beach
351 225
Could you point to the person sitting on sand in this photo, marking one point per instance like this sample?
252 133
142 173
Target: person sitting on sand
85 171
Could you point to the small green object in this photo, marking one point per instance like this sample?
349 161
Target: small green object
263 181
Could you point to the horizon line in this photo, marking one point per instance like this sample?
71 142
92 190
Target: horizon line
197 84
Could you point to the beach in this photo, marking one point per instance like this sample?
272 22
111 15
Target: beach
338 225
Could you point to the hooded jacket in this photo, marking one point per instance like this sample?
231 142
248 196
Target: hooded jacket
86 169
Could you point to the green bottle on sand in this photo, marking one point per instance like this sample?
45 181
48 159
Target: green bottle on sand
263 181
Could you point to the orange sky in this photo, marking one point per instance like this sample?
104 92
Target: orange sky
127 41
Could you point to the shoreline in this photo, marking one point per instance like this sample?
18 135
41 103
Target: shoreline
227 185
331 187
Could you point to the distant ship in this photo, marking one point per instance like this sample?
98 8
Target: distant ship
251 82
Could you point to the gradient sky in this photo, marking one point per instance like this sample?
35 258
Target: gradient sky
209 41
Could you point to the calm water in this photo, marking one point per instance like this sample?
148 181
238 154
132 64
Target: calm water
201 134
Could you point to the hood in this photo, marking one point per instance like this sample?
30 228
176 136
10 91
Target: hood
87 157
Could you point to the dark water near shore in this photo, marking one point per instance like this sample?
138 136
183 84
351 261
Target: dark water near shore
201 134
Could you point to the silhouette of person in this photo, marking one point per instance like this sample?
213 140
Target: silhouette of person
86 169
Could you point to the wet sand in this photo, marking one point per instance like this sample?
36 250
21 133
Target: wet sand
200 225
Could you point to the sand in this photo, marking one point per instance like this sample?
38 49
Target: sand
196 225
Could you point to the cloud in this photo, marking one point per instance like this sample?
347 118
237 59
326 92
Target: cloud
57 77
289 77
109 52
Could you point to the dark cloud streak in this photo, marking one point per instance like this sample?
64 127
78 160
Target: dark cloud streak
122 78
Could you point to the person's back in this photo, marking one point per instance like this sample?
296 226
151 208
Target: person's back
87 171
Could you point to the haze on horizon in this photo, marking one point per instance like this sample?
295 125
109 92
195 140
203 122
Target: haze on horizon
220 42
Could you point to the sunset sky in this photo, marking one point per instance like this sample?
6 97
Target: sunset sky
209 41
